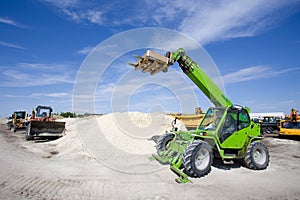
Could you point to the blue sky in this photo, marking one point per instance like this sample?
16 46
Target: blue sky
255 45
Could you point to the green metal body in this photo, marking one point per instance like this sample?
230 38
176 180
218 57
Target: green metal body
233 146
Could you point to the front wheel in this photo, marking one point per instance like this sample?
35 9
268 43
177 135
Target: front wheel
163 141
257 156
197 158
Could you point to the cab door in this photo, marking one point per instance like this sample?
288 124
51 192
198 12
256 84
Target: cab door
236 126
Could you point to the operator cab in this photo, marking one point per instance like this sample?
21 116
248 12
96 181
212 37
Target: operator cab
43 111
225 122
20 115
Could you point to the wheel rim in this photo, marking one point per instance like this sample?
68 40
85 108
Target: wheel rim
259 156
202 159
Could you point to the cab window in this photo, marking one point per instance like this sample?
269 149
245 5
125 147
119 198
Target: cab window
244 120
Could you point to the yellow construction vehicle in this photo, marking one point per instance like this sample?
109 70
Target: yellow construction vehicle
18 120
191 121
290 126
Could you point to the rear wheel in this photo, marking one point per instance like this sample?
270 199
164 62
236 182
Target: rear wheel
257 156
163 141
27 134
197 158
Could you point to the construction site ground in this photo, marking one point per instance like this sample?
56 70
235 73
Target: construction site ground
66 169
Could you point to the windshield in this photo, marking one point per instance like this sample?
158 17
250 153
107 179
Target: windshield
211 119
43 112
290 125
20 115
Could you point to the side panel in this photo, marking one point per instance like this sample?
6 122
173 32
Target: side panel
286 131
237 140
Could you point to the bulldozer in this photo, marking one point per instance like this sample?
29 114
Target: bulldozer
225 132
18 120
42 124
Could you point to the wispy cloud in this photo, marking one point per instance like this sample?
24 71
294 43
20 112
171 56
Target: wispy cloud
205 21
11 22
30 74
253 73
63 3
210 21
85 50
42 66
91 16
79 11
6 44
39 95
56 95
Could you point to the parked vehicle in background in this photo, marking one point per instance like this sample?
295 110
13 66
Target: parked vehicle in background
270 125
291 125
18 120
42 124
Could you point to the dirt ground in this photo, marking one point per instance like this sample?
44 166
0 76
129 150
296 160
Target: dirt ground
68 169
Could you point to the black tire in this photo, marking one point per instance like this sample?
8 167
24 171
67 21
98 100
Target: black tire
15 127
27 134
197 158
163 141
257 156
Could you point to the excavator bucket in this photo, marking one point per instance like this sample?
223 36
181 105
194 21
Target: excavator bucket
151 62
46 128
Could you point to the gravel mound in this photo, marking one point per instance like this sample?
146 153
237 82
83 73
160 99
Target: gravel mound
121 141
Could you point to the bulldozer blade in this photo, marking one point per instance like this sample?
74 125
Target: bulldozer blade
151 62
46 128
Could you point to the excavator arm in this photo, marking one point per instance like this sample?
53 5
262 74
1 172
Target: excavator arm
154 63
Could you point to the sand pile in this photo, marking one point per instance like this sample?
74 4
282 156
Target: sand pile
70 145
3 120
132 132
122 141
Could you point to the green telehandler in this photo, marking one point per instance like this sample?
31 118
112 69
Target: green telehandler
225 132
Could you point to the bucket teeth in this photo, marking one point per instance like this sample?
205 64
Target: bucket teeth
134 65
137 56
151 62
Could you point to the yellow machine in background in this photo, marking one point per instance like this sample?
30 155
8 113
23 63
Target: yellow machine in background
19 120
290 126
191 121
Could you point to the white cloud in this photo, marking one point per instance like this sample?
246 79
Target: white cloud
210 21
57 94
94 16
79 11
39 95
83 16
253 73
11 22
85 50
205 21
31 74
63 3
6 44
